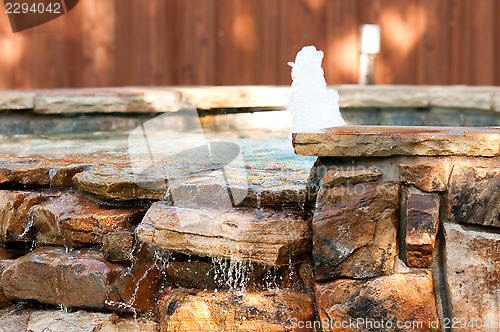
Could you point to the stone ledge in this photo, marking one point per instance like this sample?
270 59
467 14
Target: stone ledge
382 141
17 100
171 98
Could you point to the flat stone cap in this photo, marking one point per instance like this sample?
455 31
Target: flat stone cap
381 141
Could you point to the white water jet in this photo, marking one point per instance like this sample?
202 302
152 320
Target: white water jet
312 104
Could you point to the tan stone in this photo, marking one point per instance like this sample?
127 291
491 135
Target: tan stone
380 141
181 310
15 223
16 100
422 221
383 300
4 264
473 196
121 100
262 236
472 270
58 320
425 176
383 96
72 220
462 97
355 229
334 177
14 318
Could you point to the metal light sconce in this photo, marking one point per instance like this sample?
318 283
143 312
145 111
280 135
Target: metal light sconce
369 45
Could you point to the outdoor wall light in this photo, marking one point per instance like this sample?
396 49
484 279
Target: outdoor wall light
369 46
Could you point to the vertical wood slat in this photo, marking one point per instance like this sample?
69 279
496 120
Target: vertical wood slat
224 42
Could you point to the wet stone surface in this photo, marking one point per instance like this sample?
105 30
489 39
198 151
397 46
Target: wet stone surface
80 278
422 220
74 221
263 236
395 298
474 197
16 223
185 310
354 230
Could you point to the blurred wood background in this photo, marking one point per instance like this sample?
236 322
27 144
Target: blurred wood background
240 42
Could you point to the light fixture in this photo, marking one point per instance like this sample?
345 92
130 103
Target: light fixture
369 46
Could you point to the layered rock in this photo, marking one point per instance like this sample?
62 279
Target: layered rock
379 304
73 220
425 176
422 220
80 278
472 270
183 310
262 236
15 223
380 141
334 177
355 229
39 171
473 196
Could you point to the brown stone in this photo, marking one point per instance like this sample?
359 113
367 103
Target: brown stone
334 177
425 176
422 220
82 278
474 197
472 270
181 310
261 236
15 224
118 246
53 275
39 171
381 141
16 100
383 300
73 220
355 229
136 289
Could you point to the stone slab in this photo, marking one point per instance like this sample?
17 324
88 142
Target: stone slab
17 100
462 97
109 100
74 221
381 141
422 221
426 176
473 196
352 305
354 230
262 236
81 278
344 176
383 96
184 310
472 271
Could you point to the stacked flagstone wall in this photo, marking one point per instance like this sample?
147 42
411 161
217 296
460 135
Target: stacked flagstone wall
405 227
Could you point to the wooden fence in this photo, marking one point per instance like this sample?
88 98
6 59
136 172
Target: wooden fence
240 42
